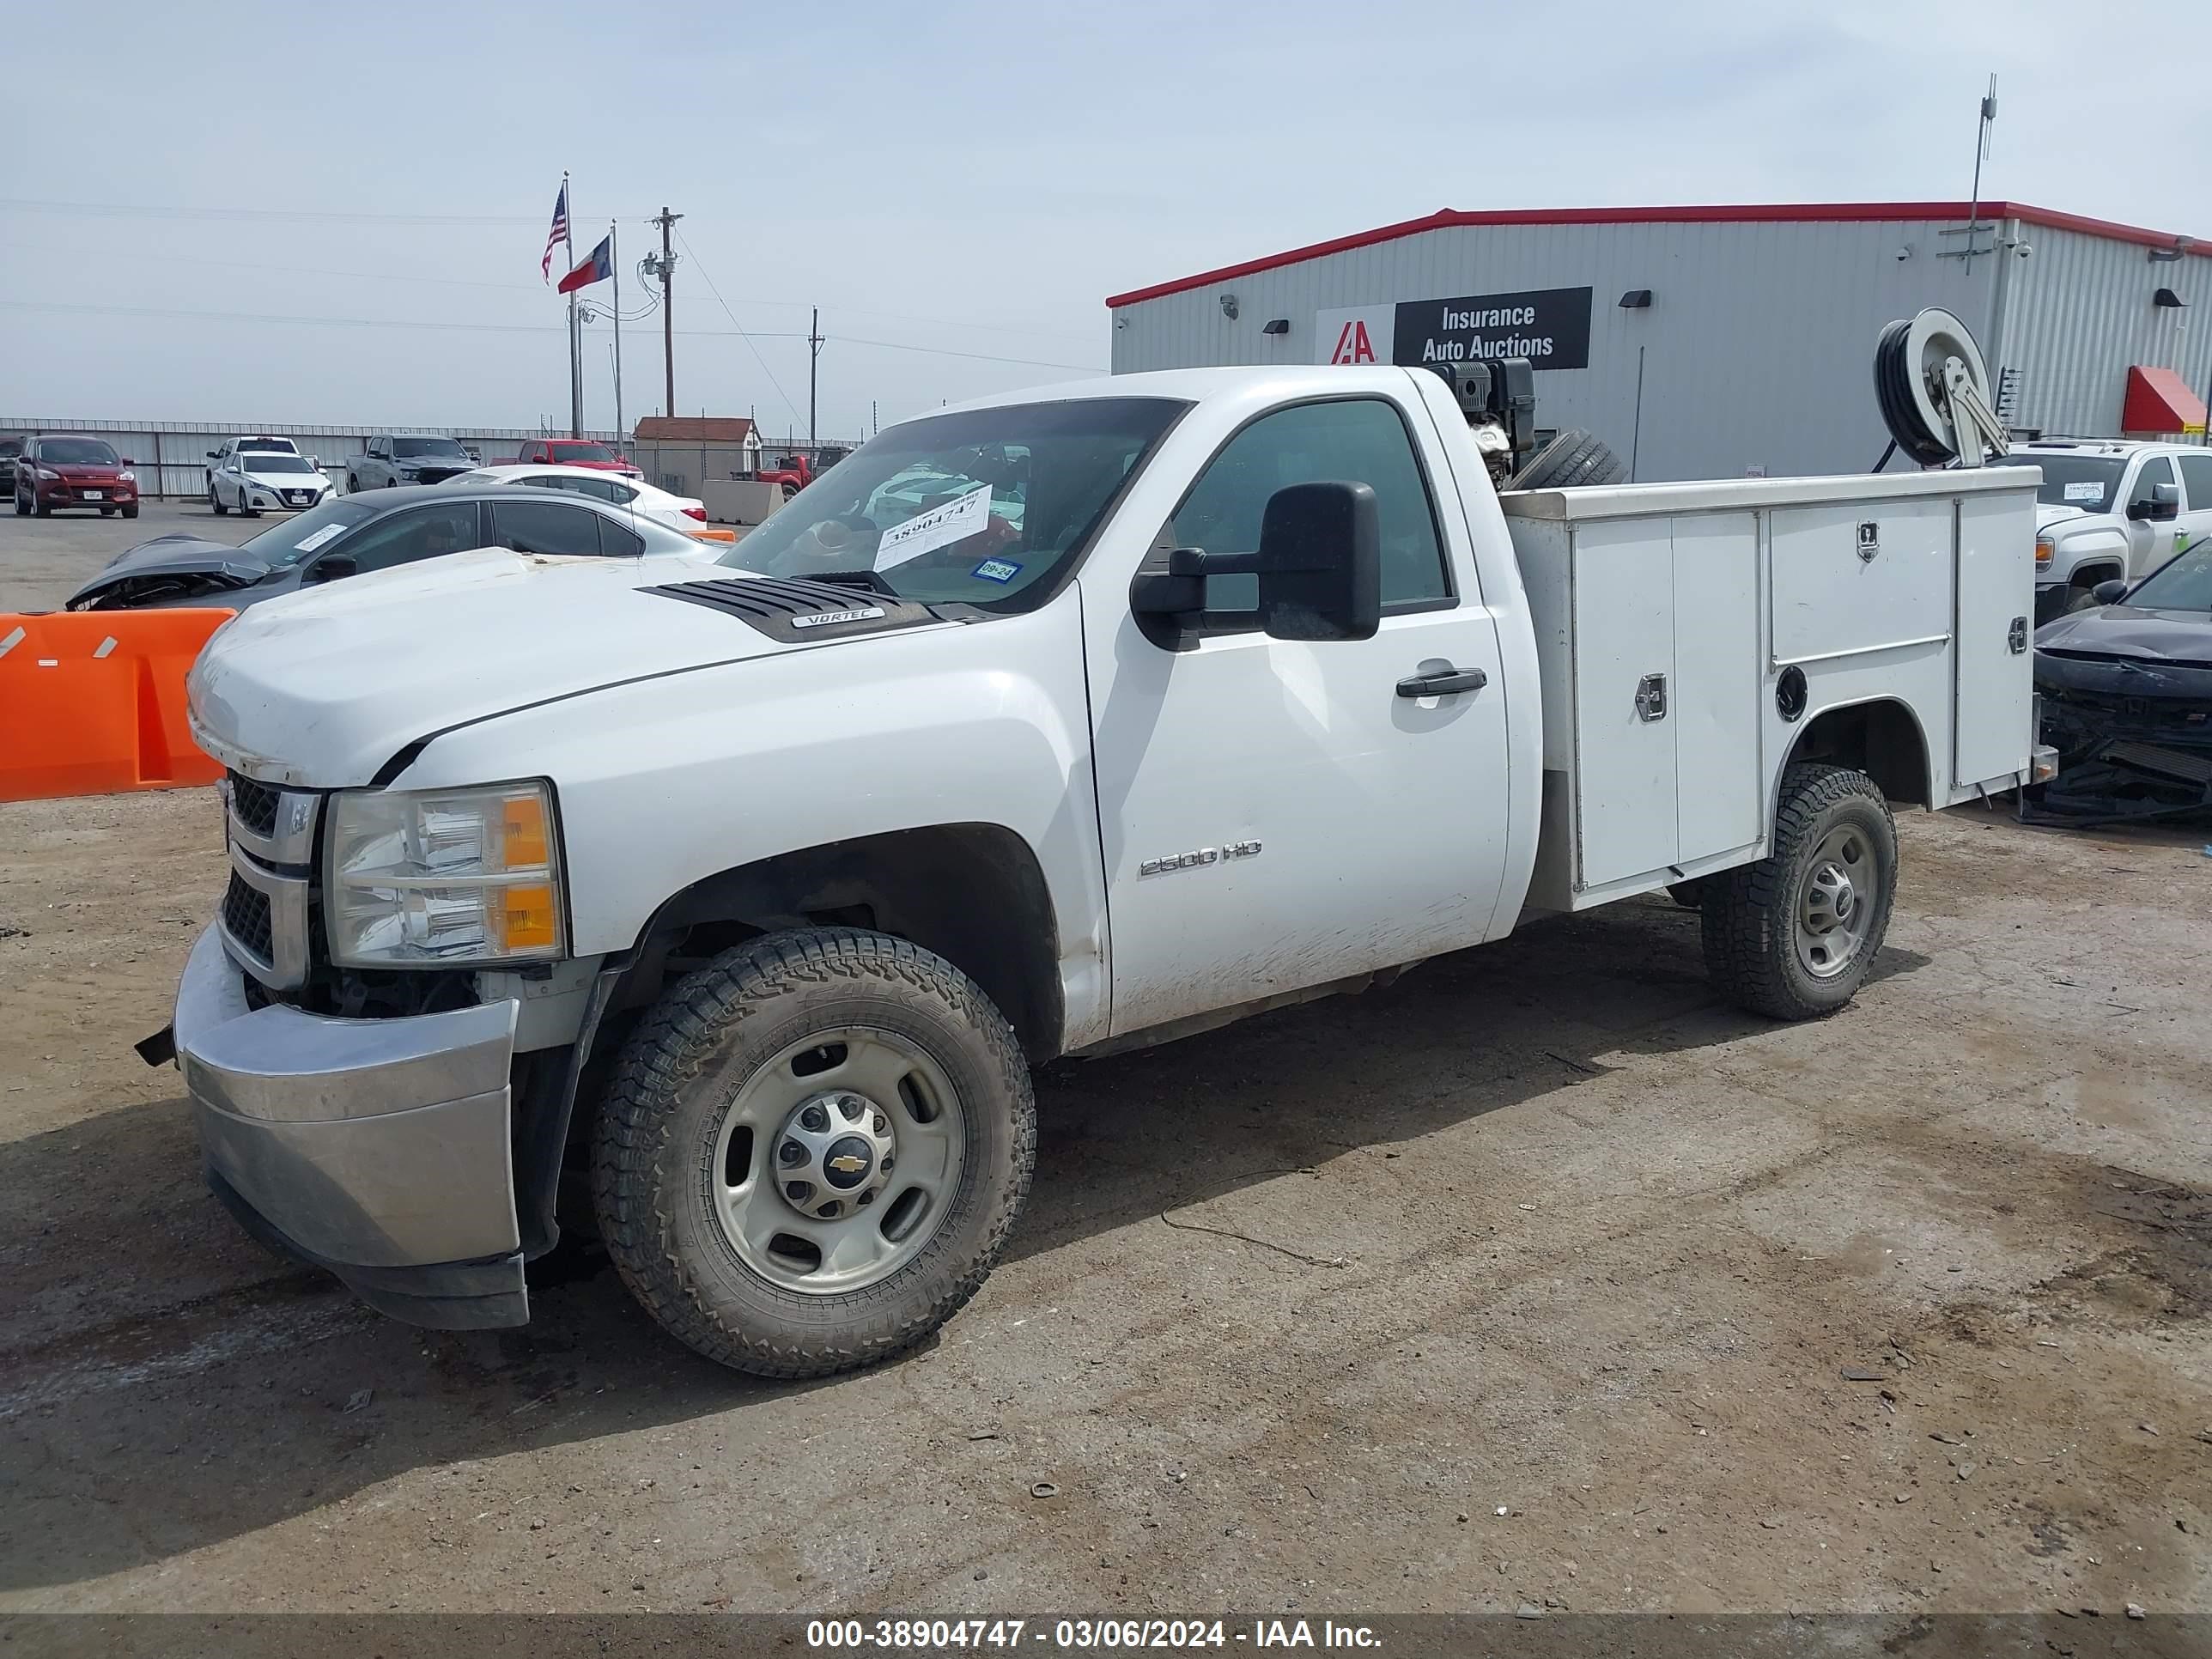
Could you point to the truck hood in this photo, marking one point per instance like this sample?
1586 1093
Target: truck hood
2126 631
181 555
2048 514
321 688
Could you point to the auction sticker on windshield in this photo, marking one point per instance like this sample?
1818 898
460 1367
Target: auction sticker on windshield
2085 492
329 531
940 526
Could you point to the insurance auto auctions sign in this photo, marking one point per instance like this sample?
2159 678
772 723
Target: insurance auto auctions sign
1549 327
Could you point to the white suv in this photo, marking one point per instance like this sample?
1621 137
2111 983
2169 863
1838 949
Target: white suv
2111 510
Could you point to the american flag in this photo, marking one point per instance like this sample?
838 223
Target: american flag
559 234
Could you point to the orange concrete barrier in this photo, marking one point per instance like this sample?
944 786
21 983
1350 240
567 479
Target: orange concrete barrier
93 702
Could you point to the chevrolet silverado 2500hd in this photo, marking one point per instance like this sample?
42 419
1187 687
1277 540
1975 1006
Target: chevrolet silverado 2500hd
1063 722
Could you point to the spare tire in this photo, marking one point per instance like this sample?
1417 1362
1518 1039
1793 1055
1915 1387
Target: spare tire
1571 461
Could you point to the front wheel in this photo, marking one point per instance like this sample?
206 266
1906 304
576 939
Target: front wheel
130 511
812 1151
215 500
1793 935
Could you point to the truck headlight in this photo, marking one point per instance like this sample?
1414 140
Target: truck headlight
444 876
2044 547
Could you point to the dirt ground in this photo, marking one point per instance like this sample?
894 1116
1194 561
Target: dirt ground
1539 1280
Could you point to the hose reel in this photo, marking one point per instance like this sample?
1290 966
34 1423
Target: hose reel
1934 390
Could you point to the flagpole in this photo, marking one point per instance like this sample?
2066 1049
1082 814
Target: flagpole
575 332
614 265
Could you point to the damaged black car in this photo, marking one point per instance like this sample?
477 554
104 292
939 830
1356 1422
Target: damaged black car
350 534
2126 693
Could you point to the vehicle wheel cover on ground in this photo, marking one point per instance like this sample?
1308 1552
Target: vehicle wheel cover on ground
803 1070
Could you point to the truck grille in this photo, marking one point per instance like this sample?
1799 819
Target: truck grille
254 805
246 917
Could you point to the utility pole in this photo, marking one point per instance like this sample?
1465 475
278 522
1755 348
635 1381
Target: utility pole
666 271
813 359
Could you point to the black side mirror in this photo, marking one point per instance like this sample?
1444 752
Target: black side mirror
1319 562
2164 502
212 453
336 568
2109 592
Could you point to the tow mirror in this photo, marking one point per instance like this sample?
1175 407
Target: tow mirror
337 567
2109 592
2164 502
1319 562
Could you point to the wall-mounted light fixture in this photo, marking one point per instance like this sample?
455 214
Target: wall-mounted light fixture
1637 299
1229 307
1278 325
2166 300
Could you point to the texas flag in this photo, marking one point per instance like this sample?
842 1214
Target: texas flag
598 266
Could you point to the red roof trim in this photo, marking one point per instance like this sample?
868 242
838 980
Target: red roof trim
1755 213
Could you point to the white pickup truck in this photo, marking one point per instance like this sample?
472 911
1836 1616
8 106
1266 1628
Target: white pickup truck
1060 723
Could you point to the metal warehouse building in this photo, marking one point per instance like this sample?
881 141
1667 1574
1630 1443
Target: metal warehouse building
1713 341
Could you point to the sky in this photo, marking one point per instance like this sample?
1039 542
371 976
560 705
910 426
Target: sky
304 214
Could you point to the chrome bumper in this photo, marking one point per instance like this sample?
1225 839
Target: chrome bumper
376 1148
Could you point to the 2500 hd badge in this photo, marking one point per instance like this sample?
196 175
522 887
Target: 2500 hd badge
1204 855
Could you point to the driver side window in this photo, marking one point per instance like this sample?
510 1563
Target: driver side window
423 532
2155 472
1359 440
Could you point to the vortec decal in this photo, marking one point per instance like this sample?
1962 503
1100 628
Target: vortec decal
1550 327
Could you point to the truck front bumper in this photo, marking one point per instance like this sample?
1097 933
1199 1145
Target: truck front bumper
379 1149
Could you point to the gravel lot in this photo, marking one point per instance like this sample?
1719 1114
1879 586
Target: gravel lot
1537 1280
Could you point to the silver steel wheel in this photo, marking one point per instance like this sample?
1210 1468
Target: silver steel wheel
838 1160
1837 905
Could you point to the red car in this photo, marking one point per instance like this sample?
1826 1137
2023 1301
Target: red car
74 472
574 451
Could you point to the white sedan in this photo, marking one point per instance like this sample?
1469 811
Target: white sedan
251 479
677 512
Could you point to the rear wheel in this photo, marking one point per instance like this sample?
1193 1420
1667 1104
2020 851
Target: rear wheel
812 1151
1793 935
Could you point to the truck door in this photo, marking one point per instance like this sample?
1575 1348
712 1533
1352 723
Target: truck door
1275 814
2151 542
2196 521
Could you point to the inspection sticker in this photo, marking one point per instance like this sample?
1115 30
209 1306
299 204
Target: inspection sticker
940 526
2085 492
328 533
997 570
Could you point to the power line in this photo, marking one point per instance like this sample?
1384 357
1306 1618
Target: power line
126 210
692 254
748 335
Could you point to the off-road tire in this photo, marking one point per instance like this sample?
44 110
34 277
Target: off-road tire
1750 913
653 1152
1572 460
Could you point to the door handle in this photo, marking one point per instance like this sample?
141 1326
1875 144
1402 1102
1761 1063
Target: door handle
1443 682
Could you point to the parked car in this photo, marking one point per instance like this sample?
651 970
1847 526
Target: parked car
347 535
250 480
9 449
2126 689
406 457
66 471
822 841
2110 510
678 512
574 451
245 442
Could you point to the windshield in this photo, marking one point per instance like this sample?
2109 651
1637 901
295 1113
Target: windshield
76 452
2181 583
256 461
977 506
583 452
406 449
2083 482
281 546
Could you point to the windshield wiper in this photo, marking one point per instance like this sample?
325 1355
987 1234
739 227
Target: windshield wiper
870 581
